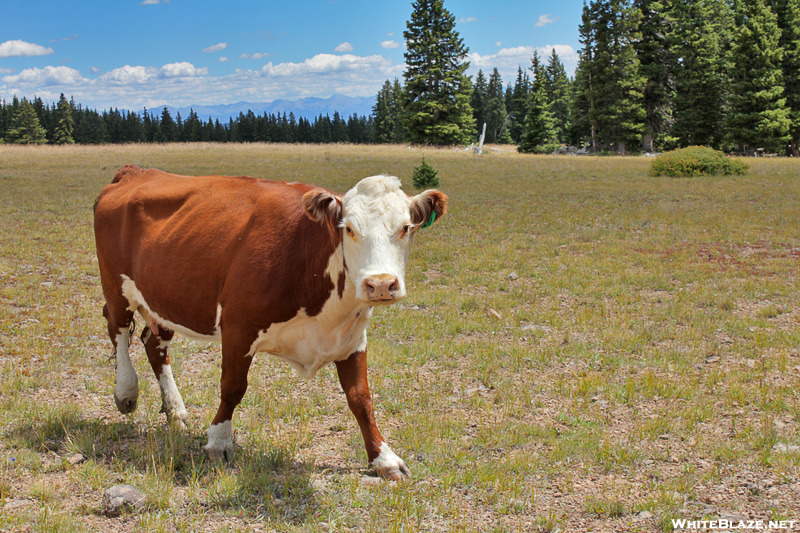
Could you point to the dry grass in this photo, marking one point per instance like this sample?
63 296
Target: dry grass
641 368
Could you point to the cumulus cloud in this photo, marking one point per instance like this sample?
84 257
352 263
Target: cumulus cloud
498 43
17 48
183 69
544 20
6 70
223 59
128 75
153 2
257 55
507 60
326 63
46 77
344 47
215 48
467 20
390 44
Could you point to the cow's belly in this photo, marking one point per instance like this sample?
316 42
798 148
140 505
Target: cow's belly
309 343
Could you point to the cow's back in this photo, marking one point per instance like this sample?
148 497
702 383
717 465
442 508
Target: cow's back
186 242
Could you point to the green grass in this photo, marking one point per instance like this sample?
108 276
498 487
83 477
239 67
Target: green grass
645 359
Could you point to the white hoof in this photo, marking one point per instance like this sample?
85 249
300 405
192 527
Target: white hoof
220 445
389 466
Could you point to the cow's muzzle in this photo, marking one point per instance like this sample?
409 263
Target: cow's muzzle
382 289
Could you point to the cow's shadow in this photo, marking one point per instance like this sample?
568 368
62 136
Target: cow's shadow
261 481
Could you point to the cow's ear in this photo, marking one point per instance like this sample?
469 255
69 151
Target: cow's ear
322 206
428 207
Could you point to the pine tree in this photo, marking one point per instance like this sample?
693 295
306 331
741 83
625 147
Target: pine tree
518 105
698 42
169 130
387 113
539 123
437 93
656 67
477 101
558 94
64 123
496 110
758 115
608 91
789 23
25 126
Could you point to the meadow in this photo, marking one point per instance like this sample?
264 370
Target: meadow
584 348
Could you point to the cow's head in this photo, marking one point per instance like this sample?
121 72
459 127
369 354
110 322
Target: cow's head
377 222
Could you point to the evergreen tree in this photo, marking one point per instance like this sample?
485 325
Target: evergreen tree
169 130
387 113
25 126
558 94
698 42
758 115
437 92
539 123
518 105
656 67
477 100
91 129
608 85
496 110
789 23
64 123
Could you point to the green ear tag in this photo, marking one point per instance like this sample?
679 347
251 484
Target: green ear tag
430 220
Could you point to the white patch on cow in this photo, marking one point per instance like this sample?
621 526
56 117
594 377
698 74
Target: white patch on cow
137 302
219 439
376 210
387 460
127 382
171 399
309 343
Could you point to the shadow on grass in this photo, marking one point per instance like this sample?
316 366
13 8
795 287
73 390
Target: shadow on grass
260 482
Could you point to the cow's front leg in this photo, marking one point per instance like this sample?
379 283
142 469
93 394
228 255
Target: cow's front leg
233 384
353 377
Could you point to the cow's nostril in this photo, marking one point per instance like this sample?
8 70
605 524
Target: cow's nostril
382 287
395 286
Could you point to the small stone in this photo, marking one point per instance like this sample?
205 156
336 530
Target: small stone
712 359
785 448
122 498
76 459
644 515
732 517
495 314
15 505
513 276
371 481
751 363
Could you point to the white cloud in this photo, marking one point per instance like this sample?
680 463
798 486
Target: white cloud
344 47
390 34
215 48
507 60
128 75
390 44
326 63
544 20
183 69
17 48
223 59
467 20
498 43
46 76
153 2
6 70
257 55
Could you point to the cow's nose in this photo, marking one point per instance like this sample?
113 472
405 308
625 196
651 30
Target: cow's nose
382 288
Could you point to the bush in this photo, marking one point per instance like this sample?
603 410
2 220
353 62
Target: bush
696 161
425 176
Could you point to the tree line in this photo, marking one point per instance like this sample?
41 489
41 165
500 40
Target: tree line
651 75
35 122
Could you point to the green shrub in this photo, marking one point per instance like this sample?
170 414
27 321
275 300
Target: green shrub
696 161
425 176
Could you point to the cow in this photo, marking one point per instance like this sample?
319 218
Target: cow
261 266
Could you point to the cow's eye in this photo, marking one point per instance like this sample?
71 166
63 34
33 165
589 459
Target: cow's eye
406 229
349 231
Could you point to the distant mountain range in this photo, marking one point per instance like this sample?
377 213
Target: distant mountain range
308 108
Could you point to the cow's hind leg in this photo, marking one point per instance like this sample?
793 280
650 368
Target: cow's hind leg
233 384
156 343
120 330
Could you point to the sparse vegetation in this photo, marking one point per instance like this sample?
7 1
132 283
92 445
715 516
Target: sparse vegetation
640 365
696 161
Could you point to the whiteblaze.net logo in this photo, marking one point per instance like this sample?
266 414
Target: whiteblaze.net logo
723 524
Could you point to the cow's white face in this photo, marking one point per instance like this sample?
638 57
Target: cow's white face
377 221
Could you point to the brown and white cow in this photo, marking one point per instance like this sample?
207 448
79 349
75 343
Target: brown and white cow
282 268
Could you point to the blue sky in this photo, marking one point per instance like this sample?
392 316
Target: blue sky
135 53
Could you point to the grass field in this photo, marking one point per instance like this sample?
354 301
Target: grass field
584 348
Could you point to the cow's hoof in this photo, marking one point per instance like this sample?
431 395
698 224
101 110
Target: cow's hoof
219 455
127 405
178 420
394 473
